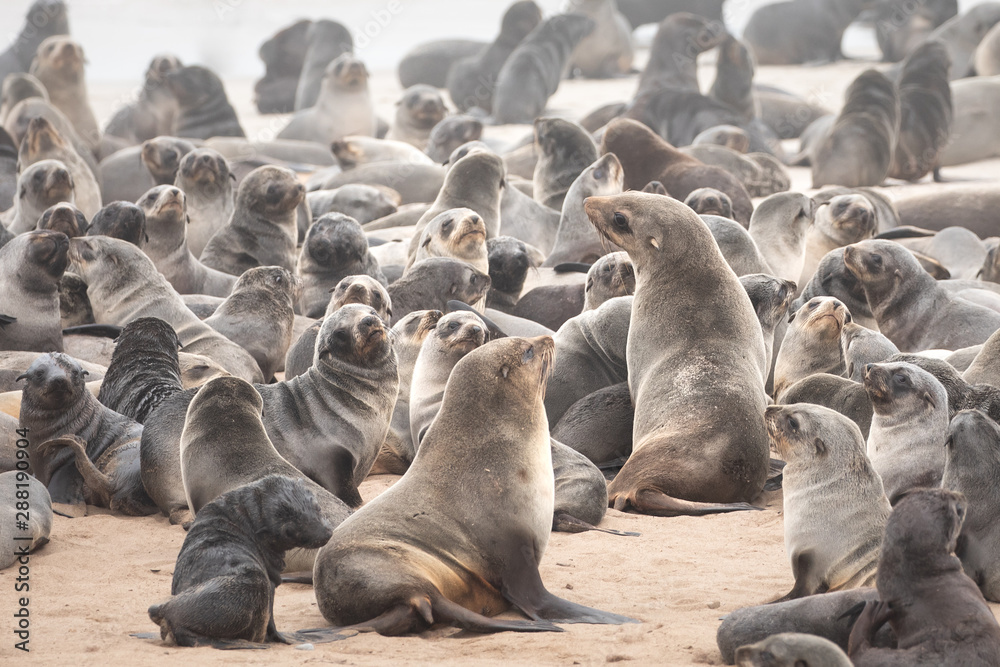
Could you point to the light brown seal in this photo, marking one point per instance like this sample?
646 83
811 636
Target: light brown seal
31 266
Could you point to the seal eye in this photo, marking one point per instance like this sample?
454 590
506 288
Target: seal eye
877 260
598 174
793 423
529 355
621 222
900 378
813 305
341 336
452 326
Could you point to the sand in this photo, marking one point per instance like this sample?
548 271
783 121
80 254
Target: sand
91 585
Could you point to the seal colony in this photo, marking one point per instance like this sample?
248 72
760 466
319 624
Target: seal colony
358 372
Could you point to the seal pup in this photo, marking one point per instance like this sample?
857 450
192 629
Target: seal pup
329 422
126 174
646 157
263 230
17 87
325 41
165 209
858 148
8 172
58 64
43 142
283 55
430 62
431 283
452 132
354 151
826 467
936 612
409 335
861 347
810 32
901 27
789 649
43 184
779 226
15 541
64 217
335 247
832 278
972 468
471 81
576 239
31 266
641 225
203 110
44 19
120 220
908 428
962 34
911 309
508 375
209 187
364 203
611 276
607 51
417 112
144 369
152 113
771 298
58 410
231 561
531 74
455 335
459 233
259 314
351 289
123 284
673 57
509 263
843 220
344 107
812 342
835 392
564 150
926 112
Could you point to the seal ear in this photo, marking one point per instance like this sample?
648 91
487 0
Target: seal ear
820 447
653 242
84 372
929 400
792 316
232 176
22 376
504 370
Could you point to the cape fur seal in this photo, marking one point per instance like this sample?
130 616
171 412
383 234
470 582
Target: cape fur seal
827 468
263 230
344 106
203 110
531 75
58 64
900 26
120 220
324 42
791 648
165 209
847 397
812 342
417 112
39 186
607 51
64 217
429 63
152 113
503 535
431 283
926 111
44 19
641 224
31 266
908 428
843 220
42 141
231 561
936 612
15 540
646 157
673 57
779 226
144 369
472 81
283 55
962 34
209 187
335 247
800 31
971 468
858 148
564 150
123 284
458 233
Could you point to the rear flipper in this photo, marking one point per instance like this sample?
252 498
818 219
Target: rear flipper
99 483
657 503
567 523
224 612
523 587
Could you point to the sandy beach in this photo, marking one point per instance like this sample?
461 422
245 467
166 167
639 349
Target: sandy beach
91 585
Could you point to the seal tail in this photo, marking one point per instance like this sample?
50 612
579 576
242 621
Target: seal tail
96 480
657 503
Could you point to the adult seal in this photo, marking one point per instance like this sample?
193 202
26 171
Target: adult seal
531 75
203 110
263 230
830 549
31 266
800 31
926 112
397 576
670 245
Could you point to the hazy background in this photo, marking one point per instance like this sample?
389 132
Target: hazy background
121 36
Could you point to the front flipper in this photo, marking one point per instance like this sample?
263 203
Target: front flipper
808 581
567 523
656 503
522 586
185 637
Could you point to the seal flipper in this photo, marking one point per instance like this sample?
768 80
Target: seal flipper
98 482
567 523
807 581
522 586
65 487
342 482
657 503
7 319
